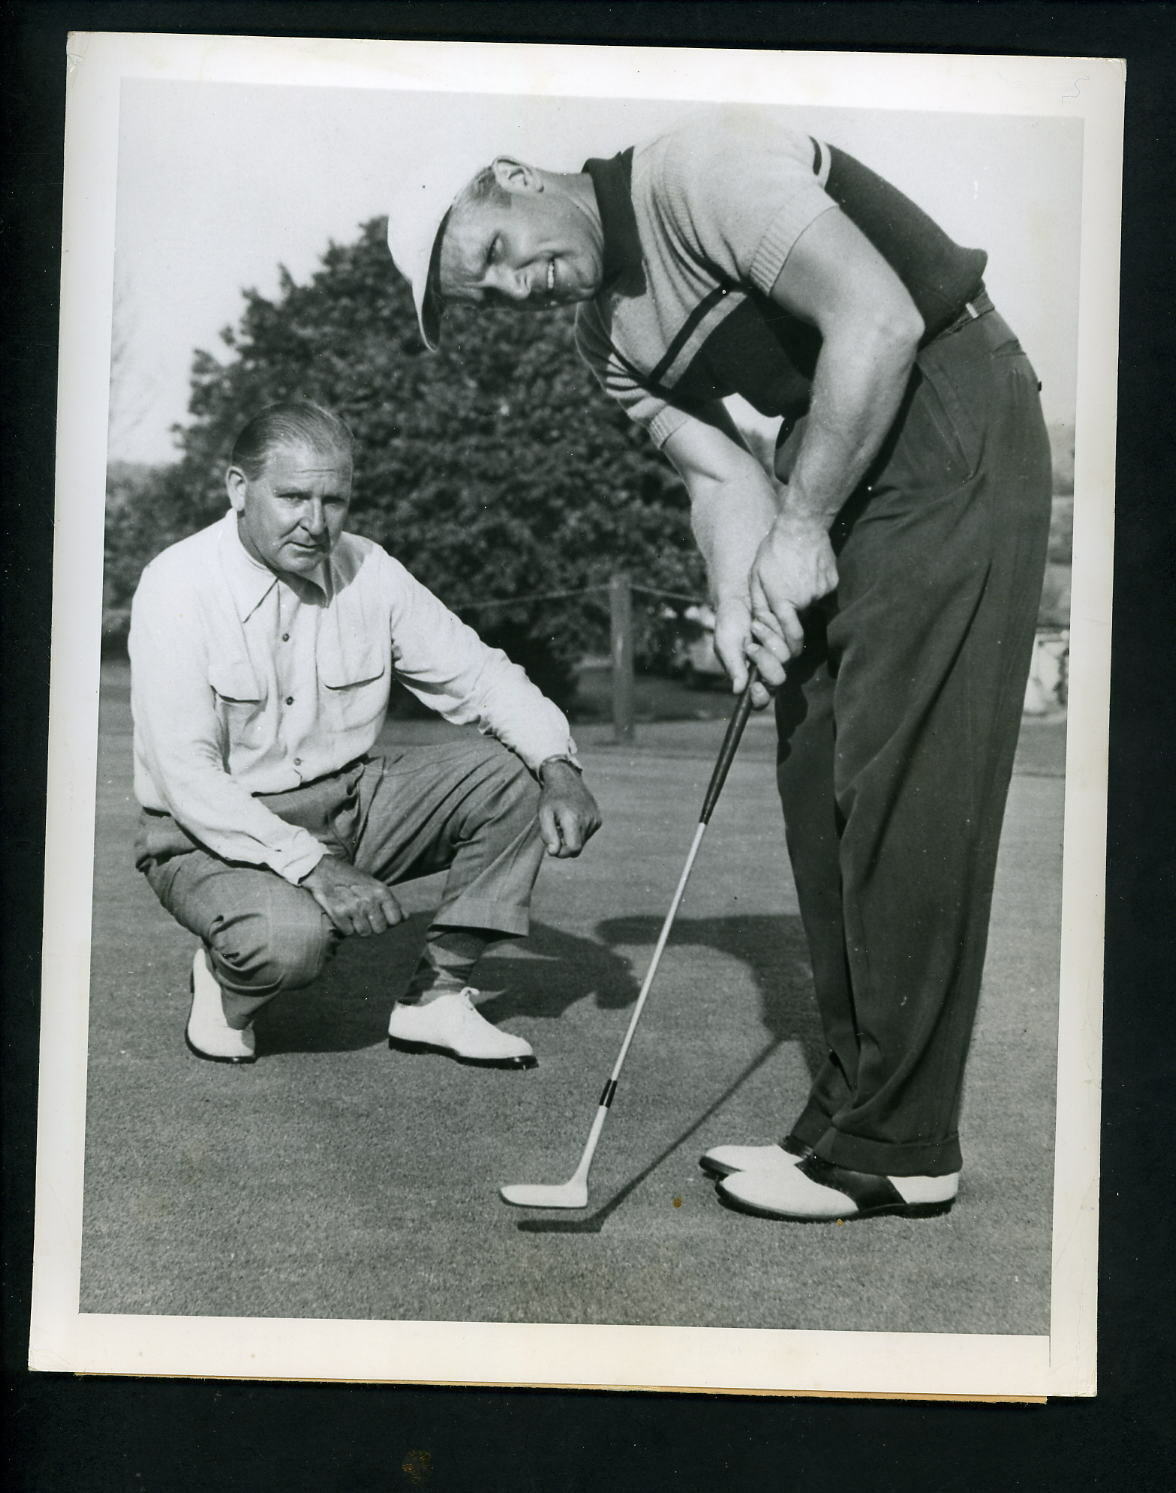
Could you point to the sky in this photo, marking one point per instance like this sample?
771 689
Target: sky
220 183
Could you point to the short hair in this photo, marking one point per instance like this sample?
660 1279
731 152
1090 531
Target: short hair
290 422
484 187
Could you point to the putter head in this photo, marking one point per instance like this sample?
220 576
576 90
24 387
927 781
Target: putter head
573 1194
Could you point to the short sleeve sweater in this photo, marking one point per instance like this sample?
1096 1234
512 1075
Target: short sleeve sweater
698 225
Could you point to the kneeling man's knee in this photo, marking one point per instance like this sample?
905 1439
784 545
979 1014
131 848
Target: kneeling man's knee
266 953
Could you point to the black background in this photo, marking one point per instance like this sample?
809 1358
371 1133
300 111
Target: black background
62 1432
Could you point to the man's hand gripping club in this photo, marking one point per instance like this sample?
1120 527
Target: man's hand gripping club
794 567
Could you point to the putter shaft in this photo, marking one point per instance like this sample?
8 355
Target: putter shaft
573 1192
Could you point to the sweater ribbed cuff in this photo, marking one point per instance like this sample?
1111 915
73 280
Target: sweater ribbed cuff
805 205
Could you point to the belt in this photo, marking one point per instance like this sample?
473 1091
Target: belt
980 305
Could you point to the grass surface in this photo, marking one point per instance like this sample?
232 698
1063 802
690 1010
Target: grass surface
336 1179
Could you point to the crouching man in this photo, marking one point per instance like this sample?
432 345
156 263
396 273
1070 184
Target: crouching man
262 653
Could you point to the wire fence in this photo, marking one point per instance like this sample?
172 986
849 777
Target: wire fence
518 601
602 588
690 653
618 593
678 639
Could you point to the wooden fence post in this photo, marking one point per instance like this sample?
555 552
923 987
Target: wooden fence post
620 598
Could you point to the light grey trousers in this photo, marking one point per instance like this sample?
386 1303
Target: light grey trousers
467 807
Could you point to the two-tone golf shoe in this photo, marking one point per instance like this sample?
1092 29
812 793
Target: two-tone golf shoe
817 1191
722 1161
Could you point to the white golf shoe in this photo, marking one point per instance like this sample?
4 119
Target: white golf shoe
208 1033
721 1161
449 1024
817 1191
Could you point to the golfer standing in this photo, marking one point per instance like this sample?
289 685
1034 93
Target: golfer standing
885 584
262 653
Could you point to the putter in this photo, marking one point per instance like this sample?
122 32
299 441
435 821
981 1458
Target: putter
574 1192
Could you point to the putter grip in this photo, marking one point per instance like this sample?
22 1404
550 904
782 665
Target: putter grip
728 749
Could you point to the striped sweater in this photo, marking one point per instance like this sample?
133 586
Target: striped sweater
697 227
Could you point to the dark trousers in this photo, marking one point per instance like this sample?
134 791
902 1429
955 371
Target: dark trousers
897 731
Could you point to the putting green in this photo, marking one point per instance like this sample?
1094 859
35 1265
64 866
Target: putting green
337 1179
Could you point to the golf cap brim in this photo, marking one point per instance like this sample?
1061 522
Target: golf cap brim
419 208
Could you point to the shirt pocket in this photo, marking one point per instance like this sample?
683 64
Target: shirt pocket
239 701
354 686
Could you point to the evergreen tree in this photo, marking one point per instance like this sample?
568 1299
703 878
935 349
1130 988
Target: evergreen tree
494 469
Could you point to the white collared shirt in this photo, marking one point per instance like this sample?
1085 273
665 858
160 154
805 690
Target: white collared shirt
245 683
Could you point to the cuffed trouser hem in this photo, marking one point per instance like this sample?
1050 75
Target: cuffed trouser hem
817 1130
484 913
884 1159
809 1129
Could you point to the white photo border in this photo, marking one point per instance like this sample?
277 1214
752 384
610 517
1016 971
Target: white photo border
974 1366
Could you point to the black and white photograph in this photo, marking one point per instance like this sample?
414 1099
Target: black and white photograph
578 726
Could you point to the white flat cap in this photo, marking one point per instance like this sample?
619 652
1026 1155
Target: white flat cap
423 196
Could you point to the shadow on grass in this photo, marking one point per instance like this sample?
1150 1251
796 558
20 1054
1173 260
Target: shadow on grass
596 1221
347 1007
775 951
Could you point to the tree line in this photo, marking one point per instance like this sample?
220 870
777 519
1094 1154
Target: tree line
495 469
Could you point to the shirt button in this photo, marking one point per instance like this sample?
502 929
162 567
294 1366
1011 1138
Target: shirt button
289 699
297 761
285 637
